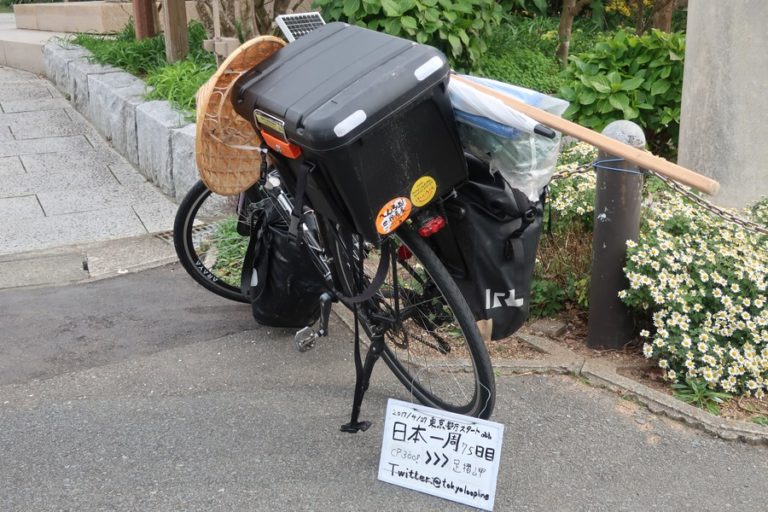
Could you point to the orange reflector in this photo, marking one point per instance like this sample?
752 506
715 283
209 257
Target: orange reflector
284 148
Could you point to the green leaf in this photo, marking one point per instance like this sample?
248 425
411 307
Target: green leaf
604 106
571 111
464 37
593 122
587 97
432 15
660 87
455 43
371 6
619 101
463 6
632 83
631 112
391 26
600 83
391 8
567 93
351 7
644 58
541 5
408 22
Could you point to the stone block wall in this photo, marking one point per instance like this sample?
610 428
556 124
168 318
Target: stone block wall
149 134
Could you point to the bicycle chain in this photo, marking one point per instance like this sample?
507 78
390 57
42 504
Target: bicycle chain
677 187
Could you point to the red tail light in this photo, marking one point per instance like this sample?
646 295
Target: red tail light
431 226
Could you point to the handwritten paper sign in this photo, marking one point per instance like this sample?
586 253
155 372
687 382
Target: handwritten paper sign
439 453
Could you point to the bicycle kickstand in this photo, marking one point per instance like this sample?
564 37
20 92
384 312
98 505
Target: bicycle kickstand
306 337
362 380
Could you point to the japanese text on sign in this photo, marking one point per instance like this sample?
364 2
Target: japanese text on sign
439 453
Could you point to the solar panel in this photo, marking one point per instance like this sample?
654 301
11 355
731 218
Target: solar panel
293 26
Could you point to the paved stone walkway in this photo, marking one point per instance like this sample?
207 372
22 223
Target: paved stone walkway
60 182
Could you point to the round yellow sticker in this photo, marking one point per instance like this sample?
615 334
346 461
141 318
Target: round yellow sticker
392 214
423 191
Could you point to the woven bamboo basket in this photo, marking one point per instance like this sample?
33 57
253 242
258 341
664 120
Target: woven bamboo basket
227 148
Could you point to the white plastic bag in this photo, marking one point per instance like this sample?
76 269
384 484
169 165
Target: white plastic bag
504 137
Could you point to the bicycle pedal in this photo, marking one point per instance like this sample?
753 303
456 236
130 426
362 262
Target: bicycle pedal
305 339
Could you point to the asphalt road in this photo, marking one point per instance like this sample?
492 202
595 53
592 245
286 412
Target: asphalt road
145 392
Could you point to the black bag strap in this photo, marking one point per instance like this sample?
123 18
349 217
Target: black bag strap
257 235
298 204
514 250
378 279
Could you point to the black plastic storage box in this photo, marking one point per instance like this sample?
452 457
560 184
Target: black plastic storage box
372 113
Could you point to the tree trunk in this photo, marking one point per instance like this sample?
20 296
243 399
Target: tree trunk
205 12
571 9
144 18
248 26
175 30
662 15
281 6
639 15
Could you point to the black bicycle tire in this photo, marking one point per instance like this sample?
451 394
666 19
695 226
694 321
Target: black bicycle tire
483 400
182 241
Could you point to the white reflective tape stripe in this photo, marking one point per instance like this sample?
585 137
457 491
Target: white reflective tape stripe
428 68
352 121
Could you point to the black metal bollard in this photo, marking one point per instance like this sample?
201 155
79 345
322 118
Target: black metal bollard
617 219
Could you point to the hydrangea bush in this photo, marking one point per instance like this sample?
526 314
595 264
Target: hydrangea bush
704 281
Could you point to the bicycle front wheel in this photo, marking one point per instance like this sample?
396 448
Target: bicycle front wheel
210 239
432 343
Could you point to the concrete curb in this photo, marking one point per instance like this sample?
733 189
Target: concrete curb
605 374
600 373
84 263
149 134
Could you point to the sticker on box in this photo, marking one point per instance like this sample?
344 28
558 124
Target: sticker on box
423 191
392 215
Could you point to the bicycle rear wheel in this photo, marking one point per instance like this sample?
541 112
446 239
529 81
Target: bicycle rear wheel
432 343
210 239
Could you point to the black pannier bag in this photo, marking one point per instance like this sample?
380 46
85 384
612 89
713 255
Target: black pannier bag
371 115
283 288
497 229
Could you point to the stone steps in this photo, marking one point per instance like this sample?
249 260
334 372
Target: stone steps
92 16
22 49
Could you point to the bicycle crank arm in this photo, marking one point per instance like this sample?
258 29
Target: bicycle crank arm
306 337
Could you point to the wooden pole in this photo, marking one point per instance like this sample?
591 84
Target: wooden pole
144 16
610 146
176 40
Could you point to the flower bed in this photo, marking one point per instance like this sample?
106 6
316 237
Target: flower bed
698 280
704 282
